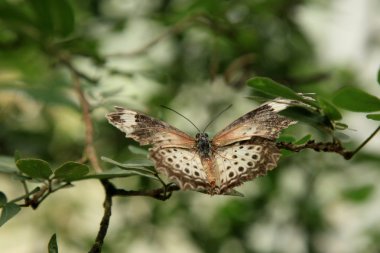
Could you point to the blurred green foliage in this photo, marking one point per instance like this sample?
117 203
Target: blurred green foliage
168 52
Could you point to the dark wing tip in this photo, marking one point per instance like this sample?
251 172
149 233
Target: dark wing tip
114 117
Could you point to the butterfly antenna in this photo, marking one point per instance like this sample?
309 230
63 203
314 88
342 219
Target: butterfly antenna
182 116
217 116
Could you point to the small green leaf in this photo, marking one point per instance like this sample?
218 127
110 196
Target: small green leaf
17 156
341 136
35 168
3 199
340 126
378 76
311 117
134 168
286 138
63 17
109 174
270 87
303 140
14 16
8 212
286 153
53 246
356 100
53 17
42 15
358 194
329 110
71 171
373 116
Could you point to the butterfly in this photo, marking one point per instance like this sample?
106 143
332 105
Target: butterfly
240 152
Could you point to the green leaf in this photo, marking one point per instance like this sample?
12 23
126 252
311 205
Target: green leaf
53 17
3 199
42 15
112 173
8 212
35 168
286 153
13 15
373 116
134 164
17 156
71 171
270 87
286 138
53 246
378 76
356 100
63 16
311 117
303 140
358 194
340 126
329 110
134 168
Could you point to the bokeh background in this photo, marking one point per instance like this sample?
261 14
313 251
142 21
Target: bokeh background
194 56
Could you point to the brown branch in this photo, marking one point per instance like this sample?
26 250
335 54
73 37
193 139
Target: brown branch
104 224
335 147
90 153
159 194
111 191
90 148
67 63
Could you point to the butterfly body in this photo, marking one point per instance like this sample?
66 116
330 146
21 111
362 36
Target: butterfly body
203 145
240 152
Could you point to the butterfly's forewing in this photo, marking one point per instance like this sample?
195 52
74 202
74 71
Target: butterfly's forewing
147 130
264 121
183 166
244 161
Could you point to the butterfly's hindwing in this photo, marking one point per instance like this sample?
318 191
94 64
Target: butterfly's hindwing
182 166
148 130
244 161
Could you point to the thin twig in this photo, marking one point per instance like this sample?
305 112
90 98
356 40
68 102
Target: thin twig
39 198
90 148
111 191
75 71
104 224
365 142
90 153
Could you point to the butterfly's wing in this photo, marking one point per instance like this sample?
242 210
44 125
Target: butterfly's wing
147 130
244 161
183 166
264 121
